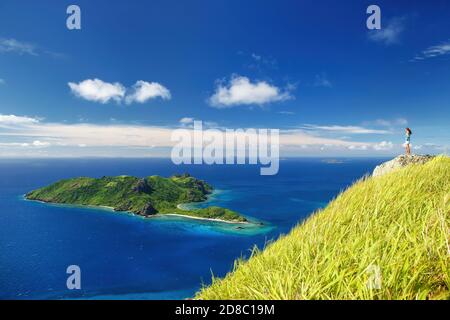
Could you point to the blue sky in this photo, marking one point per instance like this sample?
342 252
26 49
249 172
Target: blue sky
137 70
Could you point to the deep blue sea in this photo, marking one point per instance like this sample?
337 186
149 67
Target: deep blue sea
122 256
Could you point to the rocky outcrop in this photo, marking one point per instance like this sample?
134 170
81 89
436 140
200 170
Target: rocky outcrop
142 187
148 210
400 162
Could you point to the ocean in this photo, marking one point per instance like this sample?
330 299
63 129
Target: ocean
122 256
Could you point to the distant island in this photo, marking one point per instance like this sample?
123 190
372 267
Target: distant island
146 197
333 161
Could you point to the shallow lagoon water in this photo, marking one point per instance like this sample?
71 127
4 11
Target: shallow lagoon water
123 256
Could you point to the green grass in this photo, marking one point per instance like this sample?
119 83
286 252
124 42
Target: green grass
214 213
397 223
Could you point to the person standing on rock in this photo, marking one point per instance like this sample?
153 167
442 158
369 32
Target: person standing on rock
408 141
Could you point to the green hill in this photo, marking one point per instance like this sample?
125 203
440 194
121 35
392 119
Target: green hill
385 237
146 197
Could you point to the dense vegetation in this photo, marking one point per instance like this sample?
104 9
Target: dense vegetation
385 237
145 197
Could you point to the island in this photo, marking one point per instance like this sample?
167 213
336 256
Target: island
147 197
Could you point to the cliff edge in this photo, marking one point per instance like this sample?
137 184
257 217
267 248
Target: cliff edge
400 162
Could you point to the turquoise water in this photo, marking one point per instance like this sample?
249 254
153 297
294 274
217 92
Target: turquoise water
123 256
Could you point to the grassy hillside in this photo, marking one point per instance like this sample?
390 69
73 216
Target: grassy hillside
384 238
145 197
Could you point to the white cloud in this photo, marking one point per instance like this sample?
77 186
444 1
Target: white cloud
259 62
12 120
255 56
81 139
186 120
389 34
300 138
383 145
13 144
189 122
391 123
436 146
15 46
26 136
21 135
25 48
100 91
97 90
434 51
288 113
322 81
241 91
344 129
90 135
144 91
358 147
432 148
37 143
